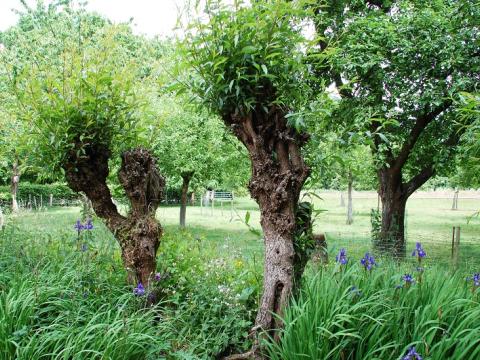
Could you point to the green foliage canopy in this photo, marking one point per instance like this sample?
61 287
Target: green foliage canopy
76 86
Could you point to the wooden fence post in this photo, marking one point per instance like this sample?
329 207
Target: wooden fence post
456 246
51 200
453 241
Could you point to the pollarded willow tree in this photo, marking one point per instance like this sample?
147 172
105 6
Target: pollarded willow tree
399 68
249 67
76 91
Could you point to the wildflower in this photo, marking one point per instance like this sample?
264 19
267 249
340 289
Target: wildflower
139 290
476 279
158 276
355 291
88 225
412 354
420 269
84 247
419 252
78 226
368 261
342 257
409 280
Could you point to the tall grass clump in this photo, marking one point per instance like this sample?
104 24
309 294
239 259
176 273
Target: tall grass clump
382 311
60 304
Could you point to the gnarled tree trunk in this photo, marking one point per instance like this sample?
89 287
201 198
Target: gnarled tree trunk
186 176
139 232
392 237
278 175
14 184
394 194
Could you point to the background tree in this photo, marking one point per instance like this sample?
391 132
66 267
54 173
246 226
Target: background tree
76 91
468 161
194 148
399 68
248 68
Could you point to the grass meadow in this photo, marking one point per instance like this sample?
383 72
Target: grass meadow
61 300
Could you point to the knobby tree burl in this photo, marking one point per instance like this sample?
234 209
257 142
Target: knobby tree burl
247 65
139 232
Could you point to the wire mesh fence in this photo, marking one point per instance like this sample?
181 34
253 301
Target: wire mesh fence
427 225
38 203
447 248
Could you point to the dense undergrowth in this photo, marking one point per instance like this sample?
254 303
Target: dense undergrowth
59 302
347 312
61 298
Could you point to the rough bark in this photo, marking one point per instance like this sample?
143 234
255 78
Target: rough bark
278 174
139 232
392 233
14 184
186 177
350 201
394 194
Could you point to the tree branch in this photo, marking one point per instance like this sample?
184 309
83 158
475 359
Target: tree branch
419 179
420 125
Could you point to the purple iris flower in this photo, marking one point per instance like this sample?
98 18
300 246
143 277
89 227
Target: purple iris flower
419 252
412 354
475 278
88 225
368 261
158 277
408 279
342 257
78 226
139 290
